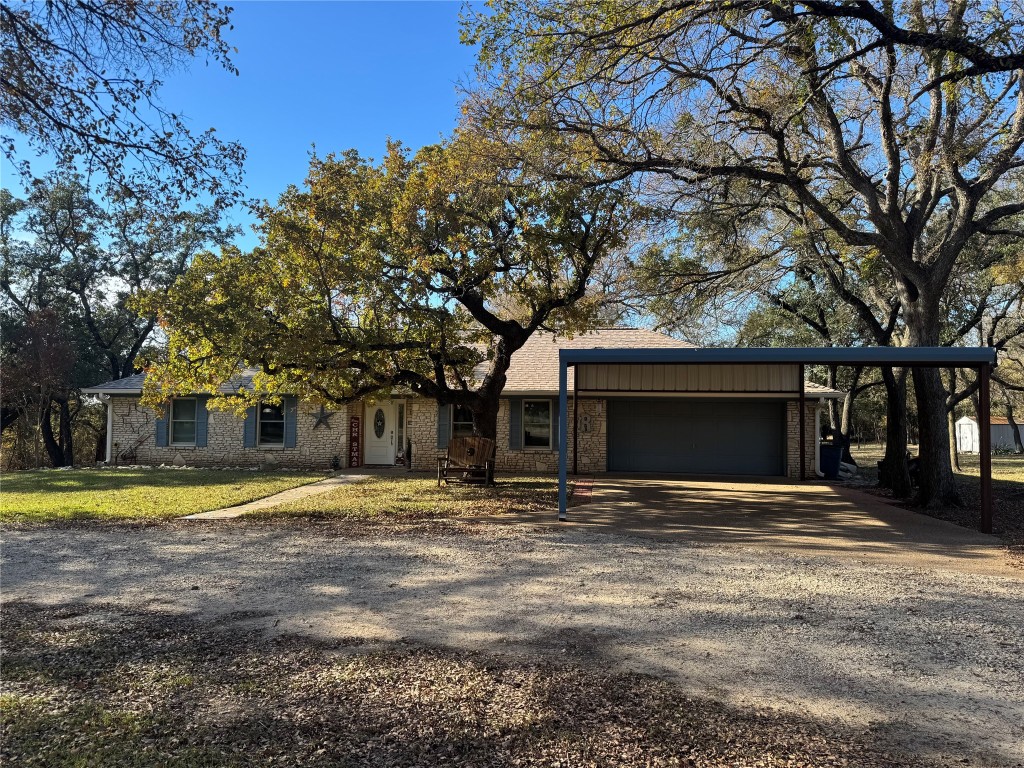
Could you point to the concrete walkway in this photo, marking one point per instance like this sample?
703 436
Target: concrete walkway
292 494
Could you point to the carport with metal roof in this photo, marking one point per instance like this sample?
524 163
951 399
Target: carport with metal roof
778 371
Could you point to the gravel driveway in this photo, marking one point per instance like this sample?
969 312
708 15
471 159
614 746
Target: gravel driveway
926 661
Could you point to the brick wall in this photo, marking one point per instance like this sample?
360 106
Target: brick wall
793 439
314 448
593 456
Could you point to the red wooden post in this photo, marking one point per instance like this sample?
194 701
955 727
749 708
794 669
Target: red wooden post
985 435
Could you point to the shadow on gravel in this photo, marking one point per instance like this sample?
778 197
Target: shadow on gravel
98 685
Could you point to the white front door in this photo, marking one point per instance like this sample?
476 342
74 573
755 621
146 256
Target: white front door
379 433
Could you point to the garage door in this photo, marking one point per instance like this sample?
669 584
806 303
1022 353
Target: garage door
727 437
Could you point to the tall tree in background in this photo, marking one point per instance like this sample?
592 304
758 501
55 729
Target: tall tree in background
71 270
896 126
424 273
80 81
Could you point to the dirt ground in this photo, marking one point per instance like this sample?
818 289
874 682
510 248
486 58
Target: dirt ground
924 660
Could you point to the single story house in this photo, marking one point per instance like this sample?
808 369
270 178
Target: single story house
688 418
968 436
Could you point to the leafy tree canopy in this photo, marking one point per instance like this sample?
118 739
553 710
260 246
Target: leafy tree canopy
424 272
897 127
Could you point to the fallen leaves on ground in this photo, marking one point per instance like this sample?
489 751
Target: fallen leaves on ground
99 685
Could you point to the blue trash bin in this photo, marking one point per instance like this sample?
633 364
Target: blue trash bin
831 456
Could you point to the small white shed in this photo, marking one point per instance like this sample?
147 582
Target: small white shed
968 440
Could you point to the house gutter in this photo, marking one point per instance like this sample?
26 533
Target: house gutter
110 426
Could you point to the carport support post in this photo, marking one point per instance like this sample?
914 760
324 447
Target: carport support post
575 419
563 438
803 427
985 435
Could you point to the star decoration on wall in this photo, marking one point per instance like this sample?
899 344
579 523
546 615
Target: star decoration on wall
323 418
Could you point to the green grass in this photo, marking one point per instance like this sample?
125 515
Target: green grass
1006 467
413 497
134 494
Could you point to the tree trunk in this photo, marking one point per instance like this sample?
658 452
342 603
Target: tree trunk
937 484
1018 447
66 439
846 416
53 449
893 472
485 416
954 449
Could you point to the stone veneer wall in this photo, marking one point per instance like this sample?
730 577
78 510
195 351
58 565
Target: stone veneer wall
593 456
314 448
793 439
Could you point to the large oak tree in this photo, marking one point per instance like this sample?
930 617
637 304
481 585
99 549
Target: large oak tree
423 273
897 126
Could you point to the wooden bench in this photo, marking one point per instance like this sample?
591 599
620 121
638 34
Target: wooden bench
469 460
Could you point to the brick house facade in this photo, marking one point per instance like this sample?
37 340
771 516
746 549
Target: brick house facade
305 437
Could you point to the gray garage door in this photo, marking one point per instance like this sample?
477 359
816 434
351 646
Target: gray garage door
728 437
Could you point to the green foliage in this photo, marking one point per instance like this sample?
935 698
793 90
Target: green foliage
424 272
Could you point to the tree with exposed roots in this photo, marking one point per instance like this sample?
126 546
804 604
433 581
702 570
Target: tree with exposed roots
898 127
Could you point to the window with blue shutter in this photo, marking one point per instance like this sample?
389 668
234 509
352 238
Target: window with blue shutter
249 428
291 421
515 423
202 421
444 426
554 424
161 427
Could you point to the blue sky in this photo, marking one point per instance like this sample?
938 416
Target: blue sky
335 74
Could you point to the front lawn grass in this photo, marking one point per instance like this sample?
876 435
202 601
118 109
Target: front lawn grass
416 497
134 494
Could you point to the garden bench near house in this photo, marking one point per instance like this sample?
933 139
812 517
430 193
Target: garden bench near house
469 460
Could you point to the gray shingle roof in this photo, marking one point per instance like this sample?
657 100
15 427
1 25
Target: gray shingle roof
132 385
534 367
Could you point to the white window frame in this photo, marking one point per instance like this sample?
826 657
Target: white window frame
551 425
259 426
451 421
171 421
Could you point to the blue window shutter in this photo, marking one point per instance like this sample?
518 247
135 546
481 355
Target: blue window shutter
444 425
202 418
515 423
291 418
249 437
161 427
554 424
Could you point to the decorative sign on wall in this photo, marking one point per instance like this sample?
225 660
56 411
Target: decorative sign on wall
354 459
323 419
